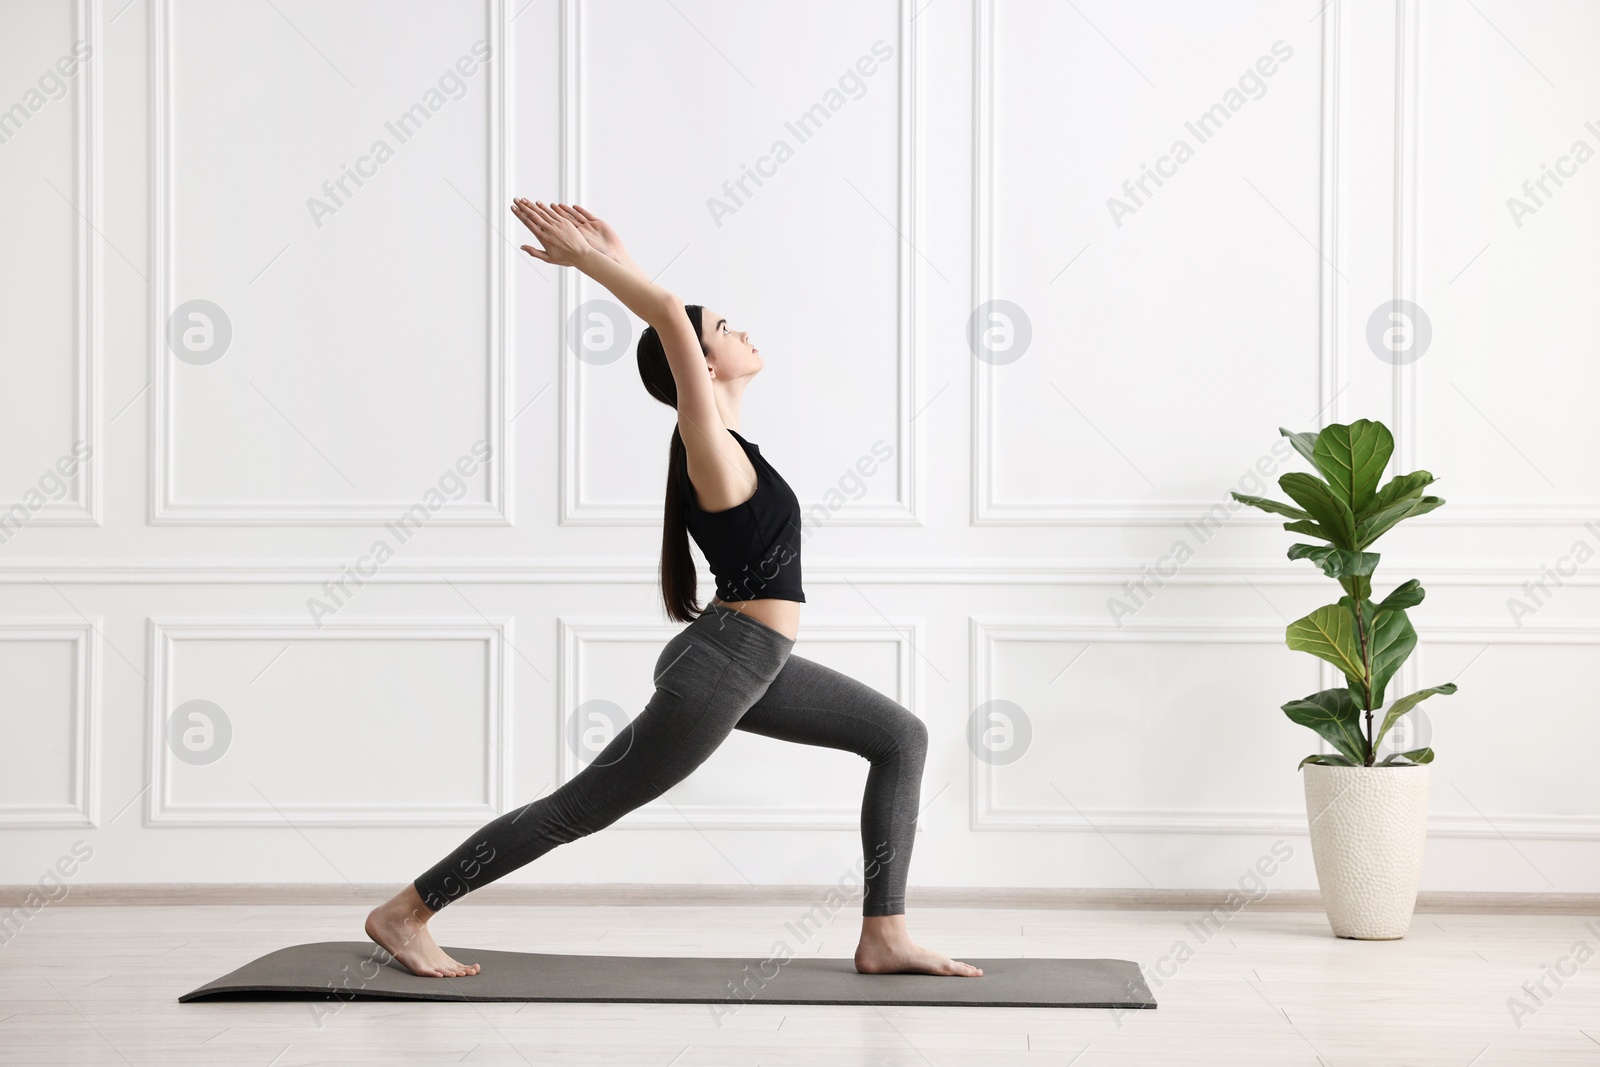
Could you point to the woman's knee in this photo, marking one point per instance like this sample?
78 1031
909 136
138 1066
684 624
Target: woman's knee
908 733
916 735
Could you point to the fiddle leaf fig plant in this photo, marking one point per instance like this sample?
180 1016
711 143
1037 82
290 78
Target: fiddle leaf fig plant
1344 507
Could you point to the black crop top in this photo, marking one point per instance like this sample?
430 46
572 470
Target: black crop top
754 547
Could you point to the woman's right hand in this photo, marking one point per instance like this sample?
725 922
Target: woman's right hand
564 244
595 230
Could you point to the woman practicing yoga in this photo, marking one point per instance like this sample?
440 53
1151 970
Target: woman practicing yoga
731 667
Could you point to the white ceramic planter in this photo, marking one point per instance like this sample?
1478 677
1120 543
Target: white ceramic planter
1369 826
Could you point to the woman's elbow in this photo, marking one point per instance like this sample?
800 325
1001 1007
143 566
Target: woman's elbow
668 309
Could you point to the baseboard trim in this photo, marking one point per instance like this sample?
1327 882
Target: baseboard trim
689 895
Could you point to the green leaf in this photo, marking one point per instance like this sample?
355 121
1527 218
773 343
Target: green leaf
1406 595
1308 528
1400 487
1390 639
1328 760
1406 703
1379 522
1352 570
1304 443
1330 512
1336 562
1417 756
1333 714
1270 505
1352 457
1329 633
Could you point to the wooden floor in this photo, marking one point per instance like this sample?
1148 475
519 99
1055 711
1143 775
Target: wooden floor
99 985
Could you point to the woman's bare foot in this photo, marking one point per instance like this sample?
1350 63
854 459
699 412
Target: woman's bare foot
400 927
886 948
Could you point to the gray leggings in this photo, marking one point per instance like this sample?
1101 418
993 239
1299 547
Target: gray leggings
722 672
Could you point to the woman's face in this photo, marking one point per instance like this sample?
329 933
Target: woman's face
728 351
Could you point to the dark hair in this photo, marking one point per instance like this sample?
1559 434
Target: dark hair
678 579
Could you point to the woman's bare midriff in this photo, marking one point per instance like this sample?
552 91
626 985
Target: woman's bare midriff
782 615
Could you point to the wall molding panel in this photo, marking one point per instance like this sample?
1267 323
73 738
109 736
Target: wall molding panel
83 634
165 506
164 633
1492 633
1411 446
989 816
986 815
905 510
987 508
85 506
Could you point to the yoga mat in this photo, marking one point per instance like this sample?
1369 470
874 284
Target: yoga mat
348 969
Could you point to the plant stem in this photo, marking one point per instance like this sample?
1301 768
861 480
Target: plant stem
1366 660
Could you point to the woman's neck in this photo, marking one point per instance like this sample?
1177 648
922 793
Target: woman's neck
730 395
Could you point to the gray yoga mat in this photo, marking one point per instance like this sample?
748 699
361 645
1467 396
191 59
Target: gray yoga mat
347 969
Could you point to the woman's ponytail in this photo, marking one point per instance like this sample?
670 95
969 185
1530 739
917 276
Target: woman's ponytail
678 577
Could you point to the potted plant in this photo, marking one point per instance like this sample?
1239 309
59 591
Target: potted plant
1368 816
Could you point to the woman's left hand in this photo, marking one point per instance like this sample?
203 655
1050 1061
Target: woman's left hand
564 244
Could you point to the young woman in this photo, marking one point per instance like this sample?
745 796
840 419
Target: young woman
731 667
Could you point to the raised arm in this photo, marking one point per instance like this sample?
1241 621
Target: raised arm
700 421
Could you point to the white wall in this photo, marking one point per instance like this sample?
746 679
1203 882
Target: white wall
377 339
